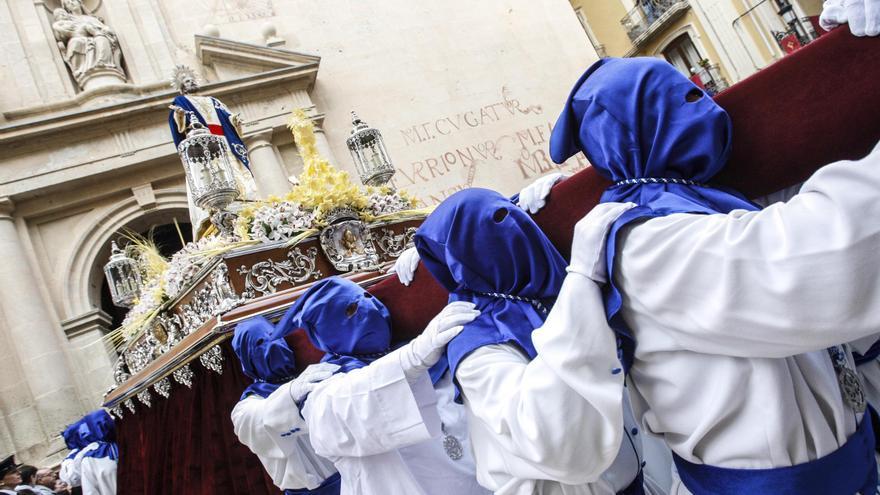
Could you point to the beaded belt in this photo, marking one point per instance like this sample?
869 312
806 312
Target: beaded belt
659 180
534 302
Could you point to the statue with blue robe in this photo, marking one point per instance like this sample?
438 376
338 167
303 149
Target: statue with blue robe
188 109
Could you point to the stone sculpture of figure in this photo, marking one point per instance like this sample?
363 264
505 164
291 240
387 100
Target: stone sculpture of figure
87 43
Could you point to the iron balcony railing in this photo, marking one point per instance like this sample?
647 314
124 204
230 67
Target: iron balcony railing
649 14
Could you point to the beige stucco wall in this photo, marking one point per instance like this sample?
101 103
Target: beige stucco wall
464 92
604 19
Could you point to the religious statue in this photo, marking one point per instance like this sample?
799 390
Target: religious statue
350 243
188 111
88 45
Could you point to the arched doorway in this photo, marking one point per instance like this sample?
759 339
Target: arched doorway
682 53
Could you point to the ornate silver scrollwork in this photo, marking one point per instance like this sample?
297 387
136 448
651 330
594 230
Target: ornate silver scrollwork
394 244
120 372
168 327
145 397
266 276
184 375
349 246
130 405
116 411
212 359
214 298
163 387
138 356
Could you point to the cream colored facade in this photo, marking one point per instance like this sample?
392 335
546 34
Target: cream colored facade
733 38
464 93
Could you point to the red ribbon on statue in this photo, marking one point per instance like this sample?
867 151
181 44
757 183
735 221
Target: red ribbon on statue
215 129
790 44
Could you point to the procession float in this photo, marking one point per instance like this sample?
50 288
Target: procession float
176 379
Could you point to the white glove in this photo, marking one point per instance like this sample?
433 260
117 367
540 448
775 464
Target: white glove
533 197
863 16
425 350
590 233
406 265
314 374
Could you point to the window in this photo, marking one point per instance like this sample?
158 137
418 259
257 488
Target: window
682 53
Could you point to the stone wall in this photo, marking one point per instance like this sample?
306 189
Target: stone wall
464 92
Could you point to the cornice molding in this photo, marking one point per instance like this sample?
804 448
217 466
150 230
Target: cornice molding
273 67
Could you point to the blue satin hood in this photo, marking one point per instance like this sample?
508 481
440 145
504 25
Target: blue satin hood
658 137
345 321
481 247
264 355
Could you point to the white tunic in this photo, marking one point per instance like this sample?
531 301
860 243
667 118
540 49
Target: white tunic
384 435
552 425
733 313
273 429
98 474
869 371
70 470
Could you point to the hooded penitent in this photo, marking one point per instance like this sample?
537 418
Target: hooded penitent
72 439
264 355
484 249
343 320
98 426
658 137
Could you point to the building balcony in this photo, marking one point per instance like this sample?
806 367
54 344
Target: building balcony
650 17
708 76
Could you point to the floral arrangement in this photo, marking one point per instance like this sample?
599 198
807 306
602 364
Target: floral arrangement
300 213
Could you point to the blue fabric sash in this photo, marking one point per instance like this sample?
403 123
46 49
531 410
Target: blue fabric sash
869 355
105 449
236 146
330 486
850 469
637 487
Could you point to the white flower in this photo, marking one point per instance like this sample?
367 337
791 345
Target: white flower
280 222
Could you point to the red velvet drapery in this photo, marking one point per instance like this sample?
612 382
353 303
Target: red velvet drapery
185 444
811 108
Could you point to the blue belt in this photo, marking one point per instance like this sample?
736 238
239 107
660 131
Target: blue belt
636 487
871 354
848 470
330 486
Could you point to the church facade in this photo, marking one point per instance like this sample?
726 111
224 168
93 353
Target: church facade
464 93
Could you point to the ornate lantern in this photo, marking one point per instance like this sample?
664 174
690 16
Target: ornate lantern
208 169
123 277
369 154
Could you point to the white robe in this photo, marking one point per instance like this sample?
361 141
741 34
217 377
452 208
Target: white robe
555 424
98 473
384 434
733 313
273 429
38 489
869 371
70 470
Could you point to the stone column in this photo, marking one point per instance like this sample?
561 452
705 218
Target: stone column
92 359
33 335
20 427
323 145
268 170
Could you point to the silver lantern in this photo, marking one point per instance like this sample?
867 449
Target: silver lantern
208 169
369 154
123 277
